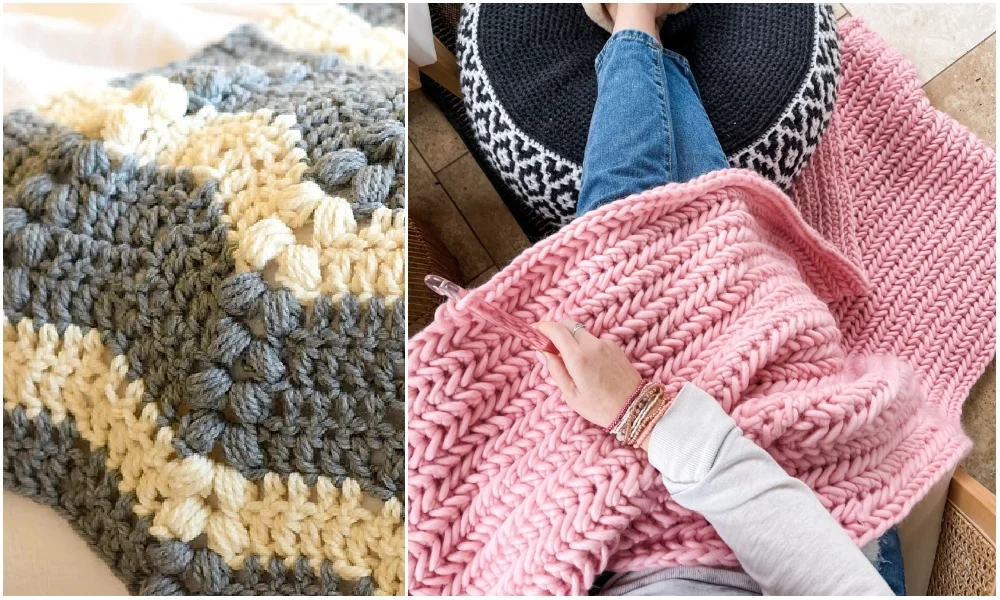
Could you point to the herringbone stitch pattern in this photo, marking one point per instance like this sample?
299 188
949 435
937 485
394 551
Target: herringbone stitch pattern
721 283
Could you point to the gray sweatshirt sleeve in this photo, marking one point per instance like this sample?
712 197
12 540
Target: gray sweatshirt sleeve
781 534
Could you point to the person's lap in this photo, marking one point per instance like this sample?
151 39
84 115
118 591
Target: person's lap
650 128
649 125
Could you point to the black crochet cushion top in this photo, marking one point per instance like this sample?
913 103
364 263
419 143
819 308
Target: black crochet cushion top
767 73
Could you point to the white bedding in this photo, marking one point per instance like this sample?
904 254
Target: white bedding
48 48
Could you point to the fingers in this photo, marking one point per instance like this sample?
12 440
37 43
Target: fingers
563 340
569 344
561 337
559 374
583 338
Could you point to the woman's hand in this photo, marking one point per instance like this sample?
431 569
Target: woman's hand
594 375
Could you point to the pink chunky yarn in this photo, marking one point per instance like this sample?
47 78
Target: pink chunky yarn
511 493
909 195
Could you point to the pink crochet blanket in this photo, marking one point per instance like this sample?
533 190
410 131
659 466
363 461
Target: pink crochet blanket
793 328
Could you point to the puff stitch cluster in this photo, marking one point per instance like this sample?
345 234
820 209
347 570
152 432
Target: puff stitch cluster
204 311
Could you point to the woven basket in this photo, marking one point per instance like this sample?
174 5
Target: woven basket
451 12
966 560
426 254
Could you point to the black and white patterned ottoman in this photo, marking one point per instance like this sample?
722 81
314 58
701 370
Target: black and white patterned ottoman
768 75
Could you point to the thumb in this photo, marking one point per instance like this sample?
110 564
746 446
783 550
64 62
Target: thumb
559 374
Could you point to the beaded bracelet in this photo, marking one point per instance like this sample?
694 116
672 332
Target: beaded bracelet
625 407
648 430
654 399
648 419
641 412
636 411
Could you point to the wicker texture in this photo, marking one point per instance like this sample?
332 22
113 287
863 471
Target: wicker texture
966 559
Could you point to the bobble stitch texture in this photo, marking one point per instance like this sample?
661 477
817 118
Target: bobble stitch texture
203 325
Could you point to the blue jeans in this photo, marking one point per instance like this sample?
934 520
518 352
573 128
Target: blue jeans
643 90
890 562
649 125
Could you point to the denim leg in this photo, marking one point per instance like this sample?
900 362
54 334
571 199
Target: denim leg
697 147
643 92
890 561
630 147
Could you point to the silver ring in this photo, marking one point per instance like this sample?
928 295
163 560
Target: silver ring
576 328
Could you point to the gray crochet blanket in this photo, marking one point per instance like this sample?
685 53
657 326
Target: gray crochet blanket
203 312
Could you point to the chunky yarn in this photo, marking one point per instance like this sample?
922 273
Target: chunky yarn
204 312
530 87
909 195
719 282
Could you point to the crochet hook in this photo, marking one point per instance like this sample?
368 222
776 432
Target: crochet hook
490 313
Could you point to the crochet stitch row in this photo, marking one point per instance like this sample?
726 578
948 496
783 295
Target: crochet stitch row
259 166
510 492
73 376
331 28
204 312
685 280
909 195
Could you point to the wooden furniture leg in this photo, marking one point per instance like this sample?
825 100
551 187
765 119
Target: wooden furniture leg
444 71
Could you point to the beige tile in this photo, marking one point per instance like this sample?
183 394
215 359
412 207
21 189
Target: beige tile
429 203
979 420
931 35
967 91
478 281
432 134
839 12
482 207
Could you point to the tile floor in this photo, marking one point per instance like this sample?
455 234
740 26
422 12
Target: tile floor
953 48
451 194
